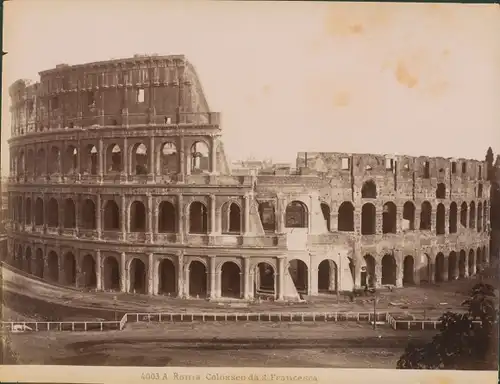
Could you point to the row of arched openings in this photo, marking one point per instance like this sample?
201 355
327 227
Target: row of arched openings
458 267
168 159
296 216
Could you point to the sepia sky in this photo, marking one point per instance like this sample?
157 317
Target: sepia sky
417 79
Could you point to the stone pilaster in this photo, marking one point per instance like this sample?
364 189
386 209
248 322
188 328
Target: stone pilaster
151 275
246 227
281 278
212 281
181 292
123 272
213 229
124 218
98 270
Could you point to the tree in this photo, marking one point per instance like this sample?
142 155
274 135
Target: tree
465 341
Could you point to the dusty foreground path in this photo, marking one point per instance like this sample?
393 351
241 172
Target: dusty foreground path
46 300
216 344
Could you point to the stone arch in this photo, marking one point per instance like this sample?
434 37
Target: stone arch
408 271
452 225
27 211
53 267
479 217
169 162
472 215
90 160
452 266
409 215
198 217
69 213
389 218
137 216
69 268
463 215
346 217
369 190
440 219
267 216
265 278
89 272
39 263
327 276
70 162
299 273
111 216
52 213
167 282
19 257
230 280
480 190
439 270
88 214
471 263
30 162
54 160
27 260
114 158
231 218
425 269
368 271
325 210
368 219
111 272
20 163
39 211
462 262
478 260
167 217
138 276
426 216
389 270
441 191
296 215
199 157
40 165
197 279
485 215
140 159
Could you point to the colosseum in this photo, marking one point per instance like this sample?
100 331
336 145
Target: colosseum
119 182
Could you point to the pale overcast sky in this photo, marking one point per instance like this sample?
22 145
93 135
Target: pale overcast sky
412 79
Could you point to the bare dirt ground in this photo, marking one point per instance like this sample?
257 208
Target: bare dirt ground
216 344
30 296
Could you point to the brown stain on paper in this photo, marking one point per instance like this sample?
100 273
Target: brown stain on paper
341 99
404 76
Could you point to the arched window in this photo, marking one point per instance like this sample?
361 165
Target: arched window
369 190
441 191
368 219
199 157
137 217
140 159
440 219
346 217
166 217
409 215
296 215
267 216
169 162
111 216
325 209
425 216
231 219
197 218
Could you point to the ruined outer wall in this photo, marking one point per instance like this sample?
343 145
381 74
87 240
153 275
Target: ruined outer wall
107 93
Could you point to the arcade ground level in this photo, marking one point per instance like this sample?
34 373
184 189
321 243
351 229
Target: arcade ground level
339 345
30 299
